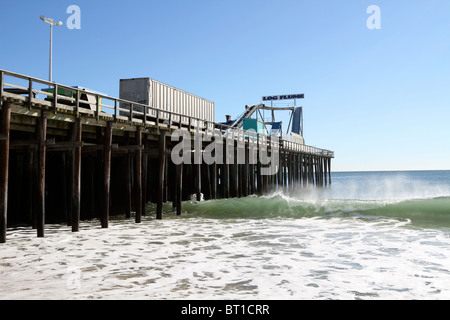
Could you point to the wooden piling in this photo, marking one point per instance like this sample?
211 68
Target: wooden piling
144 173
313 170
329 171
214 180
42 136
317 170
291 171
138 176
76 190
166 180
245 182
207 178
259 182
198 181
162 163
300 169
179 188
304 170
69 175
4 167
316 166
258 168
284 182
322 166
279 180
321 171
106 174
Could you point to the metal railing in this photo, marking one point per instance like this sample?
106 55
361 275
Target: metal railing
98 106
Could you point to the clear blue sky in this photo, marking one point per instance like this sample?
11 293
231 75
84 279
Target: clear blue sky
379 98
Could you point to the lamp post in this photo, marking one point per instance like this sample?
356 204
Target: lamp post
52 23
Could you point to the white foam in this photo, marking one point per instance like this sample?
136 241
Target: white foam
309 258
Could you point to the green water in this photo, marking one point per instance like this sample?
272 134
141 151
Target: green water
423 197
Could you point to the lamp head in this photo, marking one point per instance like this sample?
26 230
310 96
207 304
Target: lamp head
47 20
51 21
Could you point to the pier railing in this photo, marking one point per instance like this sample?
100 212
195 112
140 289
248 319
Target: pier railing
79 101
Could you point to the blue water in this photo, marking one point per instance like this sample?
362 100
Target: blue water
370 235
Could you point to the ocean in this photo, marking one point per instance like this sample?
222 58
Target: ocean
370 235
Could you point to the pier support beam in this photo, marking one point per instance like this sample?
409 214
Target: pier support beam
76 190
106 174
317 170
5 120
329 171
207 177
285 177
324 182
138 176
198 181
245 186
291 171
42 136
162 163
144 173
214 181
280 170
179 188
259 189
300 167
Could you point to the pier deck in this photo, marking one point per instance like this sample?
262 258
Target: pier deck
65 159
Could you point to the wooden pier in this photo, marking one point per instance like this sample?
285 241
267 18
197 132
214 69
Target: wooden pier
63 160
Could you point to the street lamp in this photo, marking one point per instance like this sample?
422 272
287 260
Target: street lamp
52 23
